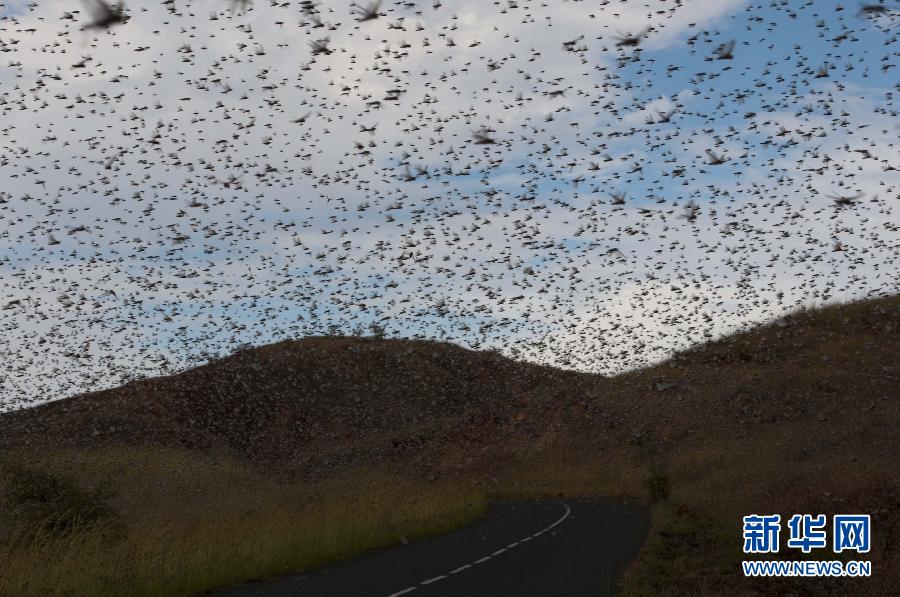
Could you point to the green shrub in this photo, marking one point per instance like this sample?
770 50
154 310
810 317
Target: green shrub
41 501
658 487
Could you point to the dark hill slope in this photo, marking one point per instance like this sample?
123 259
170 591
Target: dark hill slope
817 376
815 380
299 401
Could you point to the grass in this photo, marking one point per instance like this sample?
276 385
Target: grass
687 553
262 528
43 505
257 529
694 547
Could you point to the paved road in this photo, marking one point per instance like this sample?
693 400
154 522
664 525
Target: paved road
570 548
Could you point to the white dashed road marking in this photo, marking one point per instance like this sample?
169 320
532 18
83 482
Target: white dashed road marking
485 558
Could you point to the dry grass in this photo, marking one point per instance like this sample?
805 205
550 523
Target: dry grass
254 529
261 527
694 546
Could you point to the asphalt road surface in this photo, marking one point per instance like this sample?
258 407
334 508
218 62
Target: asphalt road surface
564 548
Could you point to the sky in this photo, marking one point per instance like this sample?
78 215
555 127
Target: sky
201 178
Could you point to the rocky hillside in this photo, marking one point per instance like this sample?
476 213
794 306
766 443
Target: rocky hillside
832 373
314 402
320 404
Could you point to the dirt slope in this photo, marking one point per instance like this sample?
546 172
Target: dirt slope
817 380
317 402
802 415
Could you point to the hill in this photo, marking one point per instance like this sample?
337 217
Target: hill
312 404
